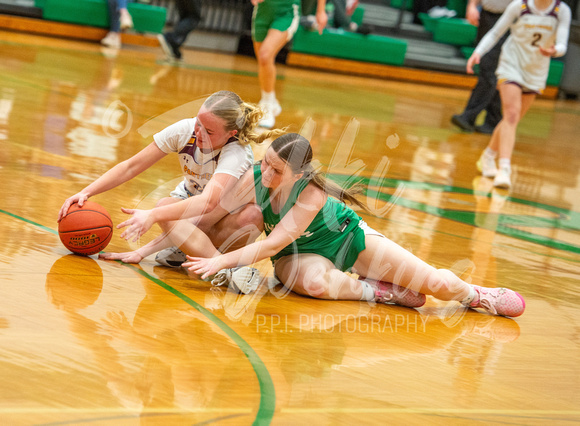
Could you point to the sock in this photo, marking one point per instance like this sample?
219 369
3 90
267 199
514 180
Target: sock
368 292
471 297
490 152
268 97
505 163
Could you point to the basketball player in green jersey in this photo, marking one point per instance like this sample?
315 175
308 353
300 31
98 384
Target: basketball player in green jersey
313 238
274 23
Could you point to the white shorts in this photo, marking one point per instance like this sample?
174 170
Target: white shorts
181 191
368 230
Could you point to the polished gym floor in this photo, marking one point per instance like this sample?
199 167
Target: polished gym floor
86 341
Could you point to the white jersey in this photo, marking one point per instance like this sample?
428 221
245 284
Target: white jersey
521 60
198 167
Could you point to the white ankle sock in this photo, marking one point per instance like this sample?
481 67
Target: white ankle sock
368 292
505 163
490 152
470 296
268 97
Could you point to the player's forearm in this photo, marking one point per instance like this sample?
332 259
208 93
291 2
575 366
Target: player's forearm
114 177
250 254
158 244
186 209
562 33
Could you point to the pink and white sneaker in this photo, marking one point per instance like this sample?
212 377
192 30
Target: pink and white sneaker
499 301
391 293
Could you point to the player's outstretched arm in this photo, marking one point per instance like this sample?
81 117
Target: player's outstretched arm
219 191
136 256
121 173
288 230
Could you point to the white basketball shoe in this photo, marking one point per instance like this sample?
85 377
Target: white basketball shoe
241 279
486 165
271 111
172 257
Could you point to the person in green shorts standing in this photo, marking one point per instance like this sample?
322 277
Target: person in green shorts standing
274 23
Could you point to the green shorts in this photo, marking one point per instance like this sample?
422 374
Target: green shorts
342 249
281 15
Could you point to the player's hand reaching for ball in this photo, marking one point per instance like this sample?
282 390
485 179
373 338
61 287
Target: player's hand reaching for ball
204 266
126 257
79 198
139 223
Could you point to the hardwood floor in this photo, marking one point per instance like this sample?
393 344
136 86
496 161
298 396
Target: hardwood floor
86 341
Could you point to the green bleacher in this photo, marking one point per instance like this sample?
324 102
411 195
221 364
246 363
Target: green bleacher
338 43
146 18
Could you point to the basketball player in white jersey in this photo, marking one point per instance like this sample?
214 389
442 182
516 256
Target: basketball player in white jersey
214 151
539 31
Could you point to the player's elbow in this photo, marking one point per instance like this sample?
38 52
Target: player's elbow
211 203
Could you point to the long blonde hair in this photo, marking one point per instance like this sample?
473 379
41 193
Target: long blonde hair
296 151
239 115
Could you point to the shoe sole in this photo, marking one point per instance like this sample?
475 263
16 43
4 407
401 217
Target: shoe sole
504 185
170 264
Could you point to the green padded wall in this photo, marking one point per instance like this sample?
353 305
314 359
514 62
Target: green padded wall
454 31
555 73
83 12
147 18
346 45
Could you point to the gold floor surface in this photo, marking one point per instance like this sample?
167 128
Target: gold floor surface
85 341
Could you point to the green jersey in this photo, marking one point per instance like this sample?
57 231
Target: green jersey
334 232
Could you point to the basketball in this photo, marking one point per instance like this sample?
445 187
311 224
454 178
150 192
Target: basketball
86 230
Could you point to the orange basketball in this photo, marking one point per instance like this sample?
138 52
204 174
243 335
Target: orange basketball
86 230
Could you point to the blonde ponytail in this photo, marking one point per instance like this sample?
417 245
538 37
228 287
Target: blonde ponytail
239 115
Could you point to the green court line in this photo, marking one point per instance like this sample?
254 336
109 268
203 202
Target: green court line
267 391
469 217
567 219
44 228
